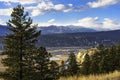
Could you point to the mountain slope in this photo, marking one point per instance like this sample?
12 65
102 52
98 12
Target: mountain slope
64 29
83 39
52 29
3 30
80 39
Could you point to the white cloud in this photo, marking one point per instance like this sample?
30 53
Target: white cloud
42 7
90 22
102 3
53 23
21 1
51 20
2 22
36 12
47 23
7 4
110 24
6 12
59 7
48 7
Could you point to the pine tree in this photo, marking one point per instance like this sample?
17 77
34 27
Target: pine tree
117 57
73 68
63 69
108 60
95 59
111 54
45 69
54 71
86 65
18 46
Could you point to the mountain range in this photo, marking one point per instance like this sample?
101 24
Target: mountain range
81 39
52 29
71 37
63 29
4 30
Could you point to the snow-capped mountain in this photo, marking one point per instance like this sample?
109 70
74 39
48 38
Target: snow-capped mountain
52 29
64 29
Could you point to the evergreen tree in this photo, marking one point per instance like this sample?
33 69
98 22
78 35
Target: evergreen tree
103 66
72 64
95 59
117 57
107 60
111 54
41 59
45 69
86 65
63 69
100 47
17 46
54 71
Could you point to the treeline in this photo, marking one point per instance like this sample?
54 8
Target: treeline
104 60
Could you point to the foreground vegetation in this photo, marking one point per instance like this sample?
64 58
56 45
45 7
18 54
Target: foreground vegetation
111 76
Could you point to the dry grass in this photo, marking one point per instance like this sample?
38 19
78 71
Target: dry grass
111 76
2 68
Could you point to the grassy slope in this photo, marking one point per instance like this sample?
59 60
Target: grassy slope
2 68
111 76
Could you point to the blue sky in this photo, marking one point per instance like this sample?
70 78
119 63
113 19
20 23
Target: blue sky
96 14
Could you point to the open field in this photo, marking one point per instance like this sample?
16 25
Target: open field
111 76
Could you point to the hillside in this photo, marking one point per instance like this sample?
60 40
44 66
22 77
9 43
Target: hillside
52 29
64 29
3 30
82 39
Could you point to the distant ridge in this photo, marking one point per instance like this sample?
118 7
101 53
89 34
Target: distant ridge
77 39
81 39
64 29
4 30
52 29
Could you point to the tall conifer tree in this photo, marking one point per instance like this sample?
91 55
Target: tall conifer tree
23 38
73 68
86 65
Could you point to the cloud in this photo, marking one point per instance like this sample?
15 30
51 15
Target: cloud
2 22
110 24
21 1
51 20
48 7
48 23
102 3
45 24
41 7
88 22
59 7
7 4
6 12
36 12
106 24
